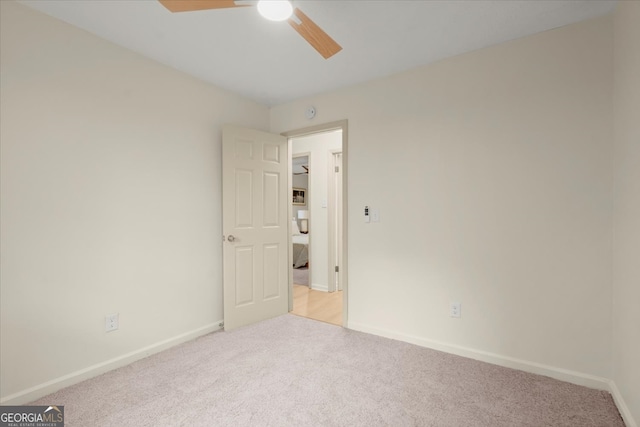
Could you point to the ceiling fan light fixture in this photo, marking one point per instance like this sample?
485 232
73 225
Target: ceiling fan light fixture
275 10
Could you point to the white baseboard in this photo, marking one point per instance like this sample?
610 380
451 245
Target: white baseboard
317 287
573 377
41 390
622 405
496 359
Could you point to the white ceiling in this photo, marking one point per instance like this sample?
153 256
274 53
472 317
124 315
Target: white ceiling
269 62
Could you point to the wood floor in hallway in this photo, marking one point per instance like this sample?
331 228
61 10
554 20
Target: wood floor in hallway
317 305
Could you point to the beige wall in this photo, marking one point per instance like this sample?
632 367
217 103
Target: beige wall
111 193
492 171
626 219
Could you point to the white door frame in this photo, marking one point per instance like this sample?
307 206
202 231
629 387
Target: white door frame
335 216
326 127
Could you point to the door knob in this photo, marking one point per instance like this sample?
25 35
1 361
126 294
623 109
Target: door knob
231 238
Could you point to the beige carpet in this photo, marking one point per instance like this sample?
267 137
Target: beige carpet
291 371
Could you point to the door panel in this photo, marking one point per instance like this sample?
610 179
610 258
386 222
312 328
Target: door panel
271 213
271 274
244 199
244 275
254 222
271 153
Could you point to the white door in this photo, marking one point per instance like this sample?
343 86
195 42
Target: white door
255 225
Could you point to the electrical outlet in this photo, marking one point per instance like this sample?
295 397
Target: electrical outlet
455 309
111 322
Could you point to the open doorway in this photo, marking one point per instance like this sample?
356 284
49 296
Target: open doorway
317 215
300 236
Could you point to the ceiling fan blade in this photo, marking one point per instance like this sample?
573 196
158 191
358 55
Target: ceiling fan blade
191 5
314 35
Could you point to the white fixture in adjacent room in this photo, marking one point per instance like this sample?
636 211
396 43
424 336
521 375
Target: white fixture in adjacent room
275 10
303 216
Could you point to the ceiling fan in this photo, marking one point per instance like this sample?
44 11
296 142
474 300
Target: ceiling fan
306 171
275 10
